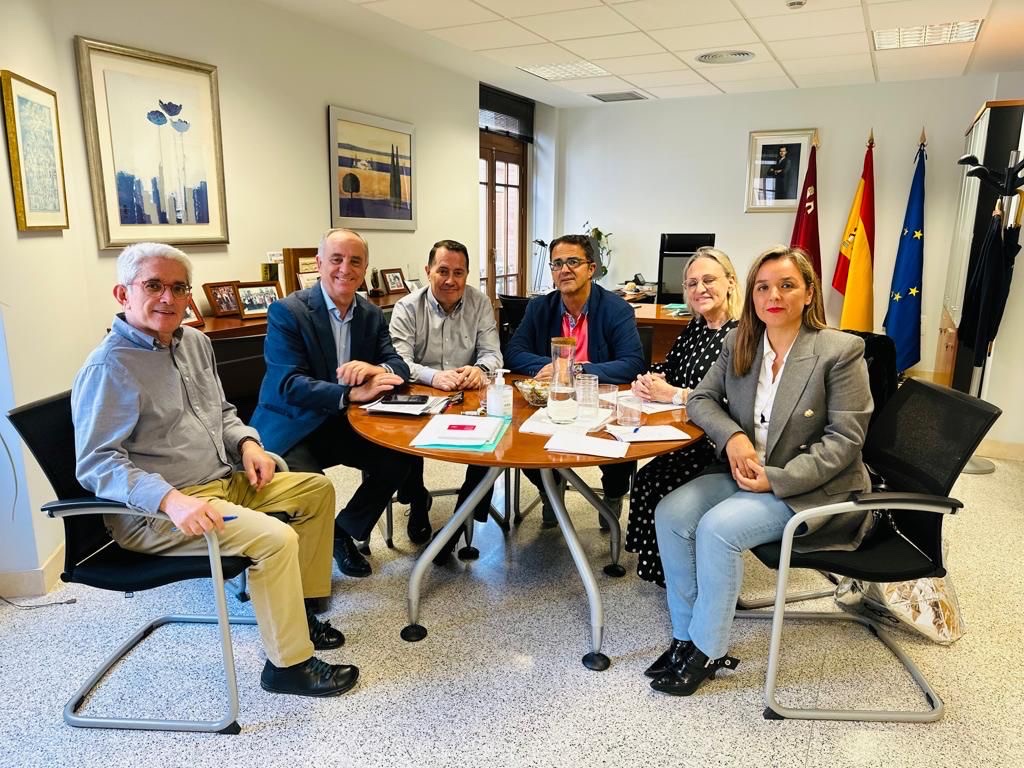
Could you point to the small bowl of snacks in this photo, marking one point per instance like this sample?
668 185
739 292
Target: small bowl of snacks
535 392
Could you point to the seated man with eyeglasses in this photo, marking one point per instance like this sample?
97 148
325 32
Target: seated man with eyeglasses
153 431
607 343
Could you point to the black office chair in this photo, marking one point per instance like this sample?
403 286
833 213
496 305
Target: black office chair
646 343
510 315
673 253
91 557
918 445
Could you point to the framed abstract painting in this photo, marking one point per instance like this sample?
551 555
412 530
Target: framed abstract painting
152 129
372 171
33 145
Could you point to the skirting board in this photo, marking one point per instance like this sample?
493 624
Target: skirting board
34 583
998 449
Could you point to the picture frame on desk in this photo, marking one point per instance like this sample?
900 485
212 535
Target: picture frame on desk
307 279
222 297
776 164
394 281
413 284
34 150
254 299
297 262
193 316
372 171
153 143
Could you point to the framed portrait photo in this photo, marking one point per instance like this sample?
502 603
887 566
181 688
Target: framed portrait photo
413 284
222 298
372 171
192 315
33 146
152 130
394 281
776 164
254 299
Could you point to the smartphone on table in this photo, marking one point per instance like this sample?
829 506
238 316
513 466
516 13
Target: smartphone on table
394 399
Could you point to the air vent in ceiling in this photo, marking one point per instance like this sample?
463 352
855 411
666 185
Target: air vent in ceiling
618 96
725 57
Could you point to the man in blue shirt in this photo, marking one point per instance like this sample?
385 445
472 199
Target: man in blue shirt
327 347
153 431
607 342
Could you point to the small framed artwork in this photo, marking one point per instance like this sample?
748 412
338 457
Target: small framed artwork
192 315
33 145
394 281
413 284
152 139
254 299
222 298
372 171
307 279
298 262
776 162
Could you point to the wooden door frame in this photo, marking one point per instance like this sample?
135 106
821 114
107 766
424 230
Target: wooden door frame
493 145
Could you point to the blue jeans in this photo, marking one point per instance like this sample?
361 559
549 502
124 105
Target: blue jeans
703 529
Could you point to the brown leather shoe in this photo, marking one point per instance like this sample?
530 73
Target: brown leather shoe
311 677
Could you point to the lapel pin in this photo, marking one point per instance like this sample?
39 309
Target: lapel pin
808 413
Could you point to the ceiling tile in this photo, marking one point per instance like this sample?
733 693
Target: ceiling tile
683 91
752 9
923 63
848 63
515 8
911 13
441 13
657 79
764 84
630 44
828 45
823 79
659 14
525 55
595 85
839 21
491 34
760 54
568 25
728 73
631 65
705 36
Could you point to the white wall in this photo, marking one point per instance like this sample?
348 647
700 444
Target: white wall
278 73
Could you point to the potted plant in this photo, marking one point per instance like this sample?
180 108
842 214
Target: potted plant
602 248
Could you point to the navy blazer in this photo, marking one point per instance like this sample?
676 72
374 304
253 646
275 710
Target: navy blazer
613 342
300 390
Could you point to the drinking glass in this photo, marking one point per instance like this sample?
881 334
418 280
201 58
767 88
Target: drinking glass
628 410
586 396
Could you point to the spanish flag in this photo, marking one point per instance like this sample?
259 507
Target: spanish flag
853 276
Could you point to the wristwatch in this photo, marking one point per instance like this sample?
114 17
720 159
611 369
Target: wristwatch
245 440
577 369
677 398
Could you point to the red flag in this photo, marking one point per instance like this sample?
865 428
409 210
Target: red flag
853 275
805 227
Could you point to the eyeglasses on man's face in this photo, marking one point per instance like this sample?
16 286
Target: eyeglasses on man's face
572 263
157 288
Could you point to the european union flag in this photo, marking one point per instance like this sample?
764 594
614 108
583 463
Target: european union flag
903 317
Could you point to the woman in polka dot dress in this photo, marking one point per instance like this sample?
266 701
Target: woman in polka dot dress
714 298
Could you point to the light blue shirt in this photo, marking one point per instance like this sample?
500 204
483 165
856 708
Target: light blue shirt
341 327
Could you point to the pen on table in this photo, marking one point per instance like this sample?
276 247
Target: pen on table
226 519
635 430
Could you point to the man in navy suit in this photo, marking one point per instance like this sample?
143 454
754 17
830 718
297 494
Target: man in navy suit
327 347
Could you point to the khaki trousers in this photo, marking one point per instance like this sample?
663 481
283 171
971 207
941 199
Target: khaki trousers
290 561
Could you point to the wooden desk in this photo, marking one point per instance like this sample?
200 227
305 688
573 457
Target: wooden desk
667 327
516 449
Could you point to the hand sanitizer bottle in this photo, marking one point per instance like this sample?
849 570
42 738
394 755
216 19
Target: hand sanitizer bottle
499 396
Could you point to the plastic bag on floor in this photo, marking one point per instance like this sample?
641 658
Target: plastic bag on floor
927 606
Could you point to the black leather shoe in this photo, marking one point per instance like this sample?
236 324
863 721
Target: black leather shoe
676 654
547 516
348 558
418 526
324 636
685 678
442 557
317 604
312 677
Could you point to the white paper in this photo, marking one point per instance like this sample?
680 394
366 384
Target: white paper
540 424
570 442
646 407
665 432
377 406
437 431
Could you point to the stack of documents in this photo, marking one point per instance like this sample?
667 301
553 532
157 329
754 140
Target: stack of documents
459 432
540 424
431 406
566 442
665 432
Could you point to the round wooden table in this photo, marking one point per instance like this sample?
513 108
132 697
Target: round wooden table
524 451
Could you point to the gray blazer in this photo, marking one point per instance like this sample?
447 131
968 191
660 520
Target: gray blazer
819 420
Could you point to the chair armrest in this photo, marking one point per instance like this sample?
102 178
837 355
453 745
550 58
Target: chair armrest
885 499
93 505
282 465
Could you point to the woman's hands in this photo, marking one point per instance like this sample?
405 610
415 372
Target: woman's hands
747 470
653 387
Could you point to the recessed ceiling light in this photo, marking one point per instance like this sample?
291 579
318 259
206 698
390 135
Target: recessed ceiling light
927 34
724 57
572 70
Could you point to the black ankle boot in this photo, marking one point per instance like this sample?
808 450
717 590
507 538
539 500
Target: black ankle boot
674 656
685 678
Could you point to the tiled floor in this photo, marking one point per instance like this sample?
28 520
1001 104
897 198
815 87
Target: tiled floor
498 681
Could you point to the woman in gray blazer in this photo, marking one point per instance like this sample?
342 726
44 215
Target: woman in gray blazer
787 406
